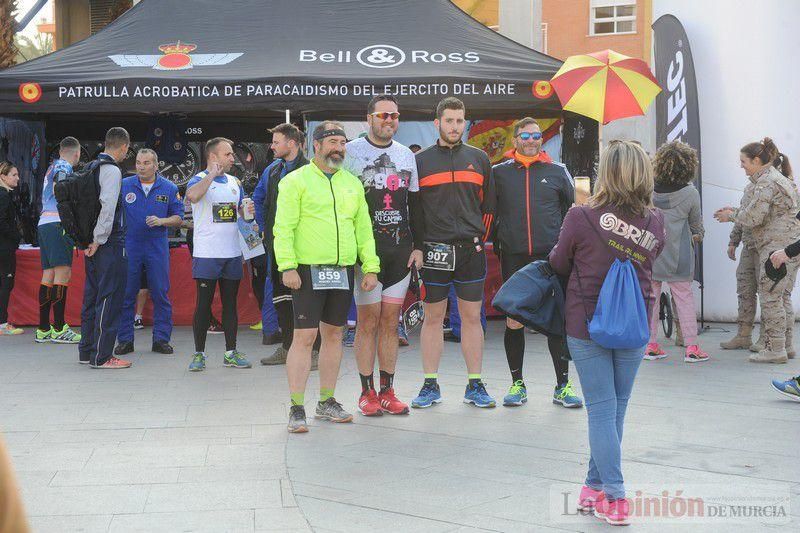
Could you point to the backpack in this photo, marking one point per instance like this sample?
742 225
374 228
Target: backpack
620 317
78 200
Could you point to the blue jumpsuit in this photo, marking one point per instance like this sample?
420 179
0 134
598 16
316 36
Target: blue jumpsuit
148 250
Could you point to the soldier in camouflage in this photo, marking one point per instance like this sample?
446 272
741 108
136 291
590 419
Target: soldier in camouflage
746 281
771 218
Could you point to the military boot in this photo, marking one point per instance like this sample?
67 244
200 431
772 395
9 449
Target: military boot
774 351
759 344
742 340
790 353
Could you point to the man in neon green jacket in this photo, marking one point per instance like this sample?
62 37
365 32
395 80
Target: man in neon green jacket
322 226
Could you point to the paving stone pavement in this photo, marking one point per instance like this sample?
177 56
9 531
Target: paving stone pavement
156 448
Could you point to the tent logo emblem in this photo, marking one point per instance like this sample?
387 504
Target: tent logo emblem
175 57
30 92
381 56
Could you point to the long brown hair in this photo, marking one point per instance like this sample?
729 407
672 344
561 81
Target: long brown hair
624 179
766 151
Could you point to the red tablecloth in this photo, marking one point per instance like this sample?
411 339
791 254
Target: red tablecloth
24 306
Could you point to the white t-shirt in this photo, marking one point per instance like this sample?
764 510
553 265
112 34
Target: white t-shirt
216 232
388 173
146 187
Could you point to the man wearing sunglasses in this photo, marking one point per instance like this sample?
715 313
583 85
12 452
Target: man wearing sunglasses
533 196
388 171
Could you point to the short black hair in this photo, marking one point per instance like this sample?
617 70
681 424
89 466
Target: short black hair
117 137
69 143
414 147
290 131
211 144
380 98
451 102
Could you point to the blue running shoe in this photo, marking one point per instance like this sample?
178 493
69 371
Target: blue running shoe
476 395
566 396
429 394
198 362
236 359
517 394
349 338
790 388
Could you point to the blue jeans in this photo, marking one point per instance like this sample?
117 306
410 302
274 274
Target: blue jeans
606 381
455 317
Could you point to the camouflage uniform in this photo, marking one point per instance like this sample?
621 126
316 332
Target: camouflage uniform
747 272
771 218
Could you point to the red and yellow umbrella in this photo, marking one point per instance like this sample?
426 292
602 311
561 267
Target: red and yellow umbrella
605 86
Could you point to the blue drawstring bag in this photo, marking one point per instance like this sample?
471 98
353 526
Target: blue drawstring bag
620 317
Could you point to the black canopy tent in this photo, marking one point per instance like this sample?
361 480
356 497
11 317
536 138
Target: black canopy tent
254 59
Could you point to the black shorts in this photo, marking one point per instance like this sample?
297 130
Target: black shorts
510 263
312 307
468 276
143 280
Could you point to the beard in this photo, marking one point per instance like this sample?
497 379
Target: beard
450 137
383 133
334 160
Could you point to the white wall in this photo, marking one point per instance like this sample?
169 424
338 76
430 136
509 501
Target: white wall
745 55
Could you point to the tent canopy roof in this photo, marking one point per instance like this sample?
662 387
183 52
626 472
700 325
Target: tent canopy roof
243 57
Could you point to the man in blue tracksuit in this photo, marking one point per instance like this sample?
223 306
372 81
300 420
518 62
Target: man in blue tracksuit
152 204
106 262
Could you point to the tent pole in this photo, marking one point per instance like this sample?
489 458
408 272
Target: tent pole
288 116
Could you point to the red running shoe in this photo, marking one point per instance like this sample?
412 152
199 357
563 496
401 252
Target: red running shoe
113 363
368 404
390 404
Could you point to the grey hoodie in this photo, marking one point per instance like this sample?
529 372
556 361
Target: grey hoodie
682 219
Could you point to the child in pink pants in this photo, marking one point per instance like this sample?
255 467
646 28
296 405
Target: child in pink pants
674 168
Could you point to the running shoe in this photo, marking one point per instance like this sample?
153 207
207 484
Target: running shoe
43 336
65 336
215 327
614 512
257 327
695 355
236 359
789 388
368 404
428 395
349 337
8 329
653 352
277 358
476 395
112 363
138 323
402 336
565 395
517 394
332 410
589 498
390 404
198 362
297 419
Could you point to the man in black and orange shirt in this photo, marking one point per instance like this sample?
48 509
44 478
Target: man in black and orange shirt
456 201
533 196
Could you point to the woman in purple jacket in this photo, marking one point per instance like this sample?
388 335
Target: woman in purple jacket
618 222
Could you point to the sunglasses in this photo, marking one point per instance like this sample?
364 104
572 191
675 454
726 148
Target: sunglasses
384 115
536 135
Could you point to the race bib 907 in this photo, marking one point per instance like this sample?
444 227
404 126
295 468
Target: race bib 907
439 256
